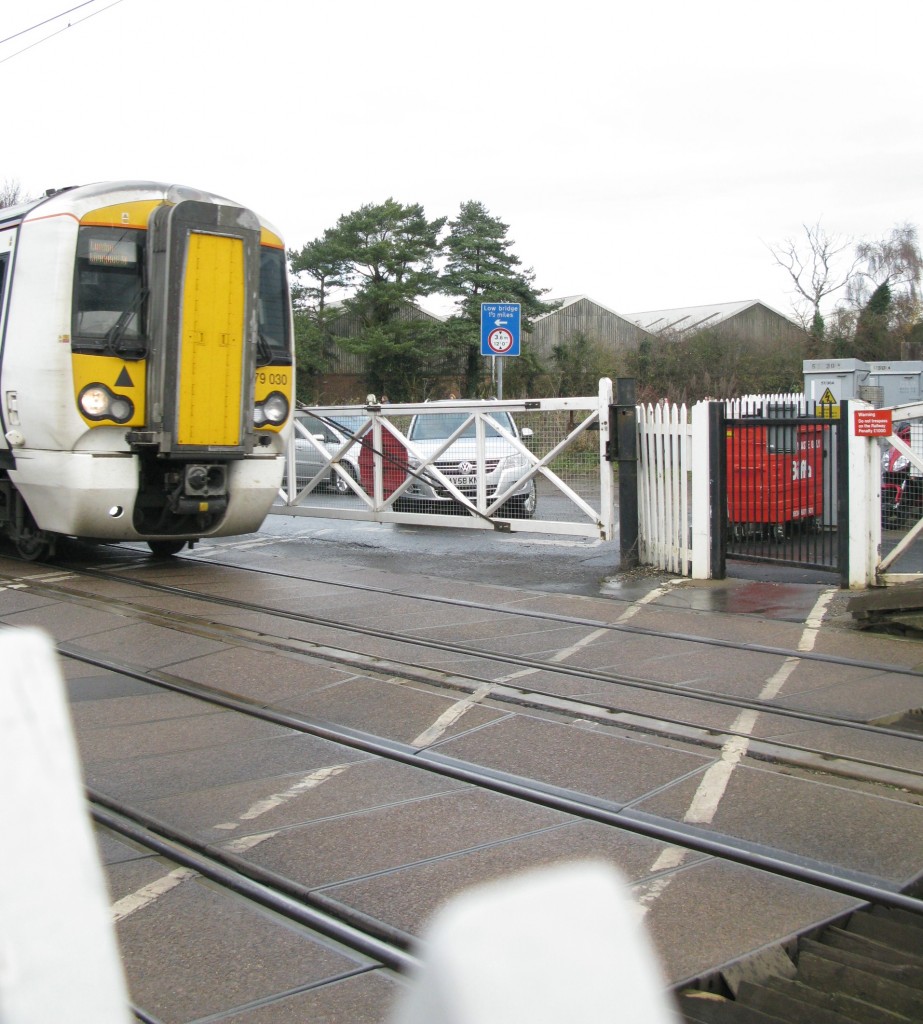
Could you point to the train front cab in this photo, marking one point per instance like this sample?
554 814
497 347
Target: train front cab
180 376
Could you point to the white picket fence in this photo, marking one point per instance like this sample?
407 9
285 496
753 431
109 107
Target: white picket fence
673 480
674 485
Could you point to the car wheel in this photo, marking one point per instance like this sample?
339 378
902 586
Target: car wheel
338 484
523 506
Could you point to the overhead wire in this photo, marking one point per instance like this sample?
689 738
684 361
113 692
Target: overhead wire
39 24
51 35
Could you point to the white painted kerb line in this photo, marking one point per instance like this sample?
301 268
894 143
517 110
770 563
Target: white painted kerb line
149 894
450 717
704 805
143 897
270 803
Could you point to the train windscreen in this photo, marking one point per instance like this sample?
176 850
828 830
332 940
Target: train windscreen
109 292
274 347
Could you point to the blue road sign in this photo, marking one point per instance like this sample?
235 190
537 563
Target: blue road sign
500 328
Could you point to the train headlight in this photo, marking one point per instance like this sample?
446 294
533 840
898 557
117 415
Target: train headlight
94 401
272 411
97 402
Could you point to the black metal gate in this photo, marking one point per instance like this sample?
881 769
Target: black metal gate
779 477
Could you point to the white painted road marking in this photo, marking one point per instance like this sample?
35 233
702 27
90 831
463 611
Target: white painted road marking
269 803
151 893
449 717
707 798
143 897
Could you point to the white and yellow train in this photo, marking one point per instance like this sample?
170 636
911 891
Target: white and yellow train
146 371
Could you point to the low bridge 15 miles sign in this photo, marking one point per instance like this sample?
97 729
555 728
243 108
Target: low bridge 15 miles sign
500 328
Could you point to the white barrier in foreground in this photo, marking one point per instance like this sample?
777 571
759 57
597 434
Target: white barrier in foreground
58 955
560 944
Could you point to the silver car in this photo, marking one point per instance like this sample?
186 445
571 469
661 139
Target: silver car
503 463
310 460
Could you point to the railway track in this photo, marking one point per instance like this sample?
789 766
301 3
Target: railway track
478 792
906 769
279 913
389 948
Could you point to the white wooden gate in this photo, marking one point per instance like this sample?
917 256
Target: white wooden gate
673 499
372 465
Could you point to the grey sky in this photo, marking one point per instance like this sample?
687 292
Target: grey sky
642 154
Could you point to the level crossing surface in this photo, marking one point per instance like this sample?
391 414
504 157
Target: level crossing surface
711 709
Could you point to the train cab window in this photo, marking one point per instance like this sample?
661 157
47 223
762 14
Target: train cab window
274 347
109 292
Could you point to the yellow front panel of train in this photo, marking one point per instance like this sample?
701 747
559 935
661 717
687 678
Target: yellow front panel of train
212 340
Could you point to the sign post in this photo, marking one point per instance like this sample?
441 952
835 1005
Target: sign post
500 333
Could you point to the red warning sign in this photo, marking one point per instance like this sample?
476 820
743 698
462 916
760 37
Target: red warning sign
873 423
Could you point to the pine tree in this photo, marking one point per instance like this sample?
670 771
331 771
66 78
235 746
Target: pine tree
318 269
482 268
384 254
873 341
391 251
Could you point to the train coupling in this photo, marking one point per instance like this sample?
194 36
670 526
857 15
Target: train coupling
199 487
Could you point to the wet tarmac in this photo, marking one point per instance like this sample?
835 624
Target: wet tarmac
773 599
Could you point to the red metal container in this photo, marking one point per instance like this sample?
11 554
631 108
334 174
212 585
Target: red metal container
775 476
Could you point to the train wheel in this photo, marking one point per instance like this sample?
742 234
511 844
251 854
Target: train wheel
166 548
33 544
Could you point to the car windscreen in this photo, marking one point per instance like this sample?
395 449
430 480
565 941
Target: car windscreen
348 425
314 426
442 424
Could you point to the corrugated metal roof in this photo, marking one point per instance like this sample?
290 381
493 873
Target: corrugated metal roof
689 318
569 300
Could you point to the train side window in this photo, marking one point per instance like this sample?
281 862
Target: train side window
109 291
4 260
275 347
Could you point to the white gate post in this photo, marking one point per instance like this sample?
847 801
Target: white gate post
864 475
606 468
699 466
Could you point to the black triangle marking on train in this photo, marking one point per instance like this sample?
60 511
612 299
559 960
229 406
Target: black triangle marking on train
124 380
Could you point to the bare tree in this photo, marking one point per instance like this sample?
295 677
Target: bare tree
11 193
894 261
819 267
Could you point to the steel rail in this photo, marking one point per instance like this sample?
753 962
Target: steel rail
616 627
621 679
802 869
186 851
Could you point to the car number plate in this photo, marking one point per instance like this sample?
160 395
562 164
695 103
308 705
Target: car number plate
466 481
